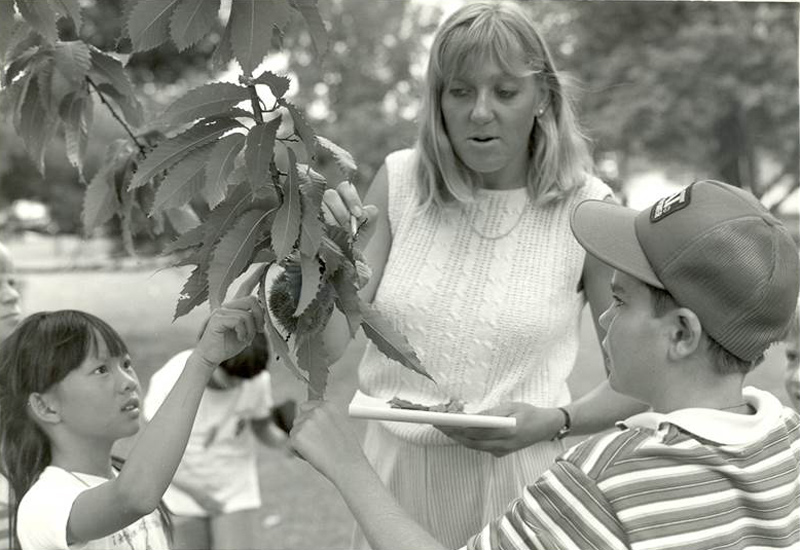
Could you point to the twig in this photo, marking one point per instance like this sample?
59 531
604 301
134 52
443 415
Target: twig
115 115
255 101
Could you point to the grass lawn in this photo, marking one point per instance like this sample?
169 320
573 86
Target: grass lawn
301 510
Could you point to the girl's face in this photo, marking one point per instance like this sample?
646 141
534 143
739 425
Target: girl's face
10 312
99 400
489 115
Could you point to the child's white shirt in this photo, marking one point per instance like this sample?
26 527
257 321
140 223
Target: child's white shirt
45 508
220 456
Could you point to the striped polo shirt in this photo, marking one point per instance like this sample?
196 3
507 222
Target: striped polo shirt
694 479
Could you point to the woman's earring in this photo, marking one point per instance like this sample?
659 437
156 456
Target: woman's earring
540 112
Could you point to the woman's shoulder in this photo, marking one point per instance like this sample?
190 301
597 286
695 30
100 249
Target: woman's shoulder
401 158
593 188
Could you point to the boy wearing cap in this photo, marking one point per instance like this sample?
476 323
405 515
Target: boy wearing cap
705 282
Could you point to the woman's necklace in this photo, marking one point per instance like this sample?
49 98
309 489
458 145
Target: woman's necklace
489 207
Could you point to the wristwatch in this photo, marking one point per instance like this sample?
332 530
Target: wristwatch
566 428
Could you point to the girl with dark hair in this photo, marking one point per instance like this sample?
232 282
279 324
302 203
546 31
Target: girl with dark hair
69 392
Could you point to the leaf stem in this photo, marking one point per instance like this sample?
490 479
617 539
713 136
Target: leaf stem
255 101
115 115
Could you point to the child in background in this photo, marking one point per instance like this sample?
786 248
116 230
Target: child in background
706 280
792 379
10 317
69 392
215 495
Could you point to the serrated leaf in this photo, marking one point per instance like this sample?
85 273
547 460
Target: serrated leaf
313 358
183 218
130 106
233 252
148 23
389 341
70 9
40 17
172 150
286 227
344 160
194 292
37 126
278 85
311 281
190 239
348 300
54 87
109 70
23 39
223 216
19 63
77 113
259 151
192 20
7 26
100 201
251 29
183 181
223 53
219 166
205 101
73 59
301 127
316 28
330 253
277 344
312 187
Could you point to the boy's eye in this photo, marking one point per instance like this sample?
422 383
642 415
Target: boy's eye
127 365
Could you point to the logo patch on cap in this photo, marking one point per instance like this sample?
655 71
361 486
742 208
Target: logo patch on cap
670 205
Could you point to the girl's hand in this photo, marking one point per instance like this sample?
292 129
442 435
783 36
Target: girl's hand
534 424
230 329
342 206
792 382
322 436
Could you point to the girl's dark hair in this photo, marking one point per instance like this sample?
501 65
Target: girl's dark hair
249 362
40 352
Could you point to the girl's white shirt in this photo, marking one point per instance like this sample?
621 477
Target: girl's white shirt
45 508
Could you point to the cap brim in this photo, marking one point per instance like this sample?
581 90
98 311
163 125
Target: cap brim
607 231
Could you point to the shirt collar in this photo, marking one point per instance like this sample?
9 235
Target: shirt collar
722 427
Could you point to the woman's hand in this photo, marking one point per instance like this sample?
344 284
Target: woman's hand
342 206
230 329
322 436
534 424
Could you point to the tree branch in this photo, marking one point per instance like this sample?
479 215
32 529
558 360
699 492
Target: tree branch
255 101
115 115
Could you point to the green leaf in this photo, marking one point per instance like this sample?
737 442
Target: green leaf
310 269
225 215
348 300
131 108
100 201
7 26
223 53
148 23
194 293
107 69
54 86
20 62
37 126
330 253
278 85
251 29
192 20
172 150
301 128
183 181
232 253
286 227
205 101
344 160
389 341
73 59
70 9
276 342
190 239
259 150
40 16
316 28
183 218
313 358
77 112
312 187
219 166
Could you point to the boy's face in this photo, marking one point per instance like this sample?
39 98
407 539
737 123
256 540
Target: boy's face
635 341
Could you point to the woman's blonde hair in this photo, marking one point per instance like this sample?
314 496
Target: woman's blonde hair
497 32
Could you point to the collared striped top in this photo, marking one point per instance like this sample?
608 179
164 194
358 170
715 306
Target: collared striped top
695 479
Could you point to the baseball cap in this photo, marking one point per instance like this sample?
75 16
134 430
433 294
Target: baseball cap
715 249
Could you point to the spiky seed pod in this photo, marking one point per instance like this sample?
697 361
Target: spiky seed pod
284 295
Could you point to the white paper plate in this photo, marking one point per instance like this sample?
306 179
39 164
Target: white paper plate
364 406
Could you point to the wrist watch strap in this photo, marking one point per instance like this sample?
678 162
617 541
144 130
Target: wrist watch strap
566 428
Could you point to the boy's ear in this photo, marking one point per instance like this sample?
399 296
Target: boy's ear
685 334
43 408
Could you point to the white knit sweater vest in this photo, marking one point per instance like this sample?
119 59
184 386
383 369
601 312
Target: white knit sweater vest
486 293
